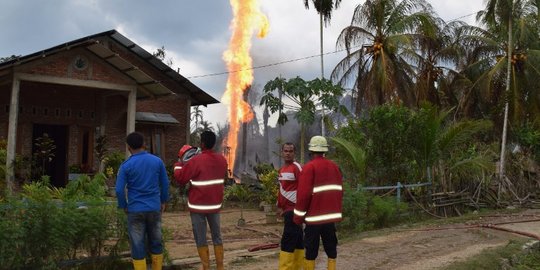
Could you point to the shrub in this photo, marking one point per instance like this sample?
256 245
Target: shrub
43 232
364 211
114 159
270 187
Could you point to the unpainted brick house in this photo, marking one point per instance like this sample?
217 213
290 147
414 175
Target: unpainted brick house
103 84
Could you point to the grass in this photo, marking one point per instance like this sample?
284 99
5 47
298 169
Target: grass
511 256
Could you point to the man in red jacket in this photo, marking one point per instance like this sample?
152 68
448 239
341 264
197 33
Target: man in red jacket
205 173
318 203
292 247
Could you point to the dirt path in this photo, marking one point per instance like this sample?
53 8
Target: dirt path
419 248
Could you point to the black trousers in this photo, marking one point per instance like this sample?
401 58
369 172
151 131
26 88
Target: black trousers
292 237
313 234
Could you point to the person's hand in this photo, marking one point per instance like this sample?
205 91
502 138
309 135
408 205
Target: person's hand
279 212
125 210
163 206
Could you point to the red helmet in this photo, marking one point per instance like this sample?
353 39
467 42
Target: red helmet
183 150
187 152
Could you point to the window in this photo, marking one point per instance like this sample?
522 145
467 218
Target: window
157 142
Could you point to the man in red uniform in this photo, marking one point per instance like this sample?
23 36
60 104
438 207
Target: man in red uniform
205 173
292 247
318 203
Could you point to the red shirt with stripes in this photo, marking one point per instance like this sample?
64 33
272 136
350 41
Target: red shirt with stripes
320 193
288 178
206 175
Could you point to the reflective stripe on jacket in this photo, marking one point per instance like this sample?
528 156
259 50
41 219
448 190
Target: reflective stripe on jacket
206 175
288 183
320 193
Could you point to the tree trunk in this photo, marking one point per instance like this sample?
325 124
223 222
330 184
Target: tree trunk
505 123
302 142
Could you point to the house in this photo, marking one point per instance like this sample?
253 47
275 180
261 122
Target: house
99 85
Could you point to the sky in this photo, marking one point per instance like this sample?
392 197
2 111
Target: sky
195 33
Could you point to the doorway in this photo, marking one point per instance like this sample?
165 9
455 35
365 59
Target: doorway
55 165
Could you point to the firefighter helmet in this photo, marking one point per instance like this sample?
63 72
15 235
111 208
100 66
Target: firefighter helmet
318 144
186 152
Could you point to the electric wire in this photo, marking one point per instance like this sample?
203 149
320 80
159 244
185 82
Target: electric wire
293 60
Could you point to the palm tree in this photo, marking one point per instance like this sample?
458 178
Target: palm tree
380 31
324 8
436 52
509 56
439 145
197 116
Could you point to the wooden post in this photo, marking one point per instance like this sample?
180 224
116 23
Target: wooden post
12 134
131 109
188 121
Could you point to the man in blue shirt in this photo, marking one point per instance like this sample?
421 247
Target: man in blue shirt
142 190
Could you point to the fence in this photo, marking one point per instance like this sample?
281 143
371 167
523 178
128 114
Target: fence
398 188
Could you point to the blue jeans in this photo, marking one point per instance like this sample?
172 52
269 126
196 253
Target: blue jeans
144 226
198 223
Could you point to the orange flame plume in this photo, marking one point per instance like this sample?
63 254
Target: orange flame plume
246 18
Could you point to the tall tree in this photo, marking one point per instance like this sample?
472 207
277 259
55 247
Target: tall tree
380 31
197 117
520 55
324 8
437 55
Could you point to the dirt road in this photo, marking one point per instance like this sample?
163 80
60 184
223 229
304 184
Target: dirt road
426 247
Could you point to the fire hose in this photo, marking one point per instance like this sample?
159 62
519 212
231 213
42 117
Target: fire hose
261 246
494 226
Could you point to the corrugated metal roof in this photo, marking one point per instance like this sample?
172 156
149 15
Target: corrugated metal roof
158 118
149 86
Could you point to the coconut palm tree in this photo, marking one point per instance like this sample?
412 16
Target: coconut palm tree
507 60
436 56
324 8
197 116
380 31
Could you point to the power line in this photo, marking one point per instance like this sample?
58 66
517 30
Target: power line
294 60
464 16
263 66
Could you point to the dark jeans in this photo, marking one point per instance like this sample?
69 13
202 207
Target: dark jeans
198 223
143 225
326 232
292 237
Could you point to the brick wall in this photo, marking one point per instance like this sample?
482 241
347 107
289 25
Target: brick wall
79 107
174 135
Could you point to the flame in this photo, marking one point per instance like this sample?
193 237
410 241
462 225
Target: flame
246 19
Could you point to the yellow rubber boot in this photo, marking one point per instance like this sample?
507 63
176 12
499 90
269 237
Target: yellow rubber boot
331 264
218 252
309 264
205 257
298 259
157 261
286 260
139 264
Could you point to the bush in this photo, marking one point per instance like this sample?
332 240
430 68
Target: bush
113 160
43 232
364 211
270 187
